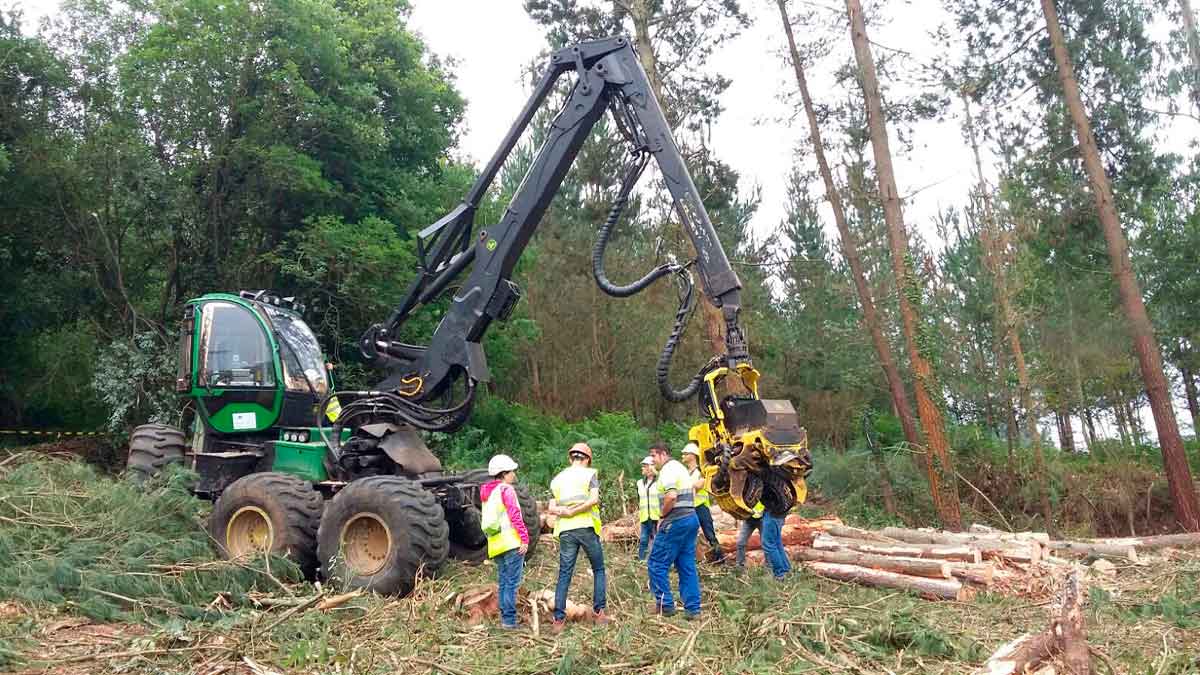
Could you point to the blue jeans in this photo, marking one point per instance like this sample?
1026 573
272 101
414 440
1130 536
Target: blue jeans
510 567
704 515
772 544
646 538
675 545
569 543
746 529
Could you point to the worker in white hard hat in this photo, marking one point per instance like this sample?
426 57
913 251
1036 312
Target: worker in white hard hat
648 506
507 536
691 458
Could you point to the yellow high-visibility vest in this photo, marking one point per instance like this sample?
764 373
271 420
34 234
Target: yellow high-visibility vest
505 538
572 487
649 504
701 494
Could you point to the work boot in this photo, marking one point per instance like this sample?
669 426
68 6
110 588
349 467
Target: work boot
557 626
600 618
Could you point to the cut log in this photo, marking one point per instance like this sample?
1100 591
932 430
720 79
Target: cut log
1008 536
848 532
982 574
1187 540
919 567
939 552
1087 548
988 545
944 589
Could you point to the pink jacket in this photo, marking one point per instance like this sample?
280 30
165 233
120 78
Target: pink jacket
509 496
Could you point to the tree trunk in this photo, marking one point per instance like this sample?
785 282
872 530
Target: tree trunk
1179 476
1122 427
642 14
850 252
1031 416
947 589
1090 425
918 567
962 553
1193 42
1193 401
925 382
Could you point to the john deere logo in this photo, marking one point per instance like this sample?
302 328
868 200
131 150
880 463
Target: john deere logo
491 245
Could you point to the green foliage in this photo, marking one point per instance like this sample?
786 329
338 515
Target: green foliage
136 380
539 443
111 549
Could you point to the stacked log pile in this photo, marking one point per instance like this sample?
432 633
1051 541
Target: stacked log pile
931 563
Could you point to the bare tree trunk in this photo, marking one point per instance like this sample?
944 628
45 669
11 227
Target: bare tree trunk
925 382
1031 415
1179 476
642 14
1122 426
1193 402
854 261
1193 42
1090 426
997 256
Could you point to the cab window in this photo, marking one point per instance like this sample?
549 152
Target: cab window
234 351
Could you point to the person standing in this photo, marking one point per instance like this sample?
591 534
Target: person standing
675 542
747 528
691 457
507 536
772 545
576 502
648 507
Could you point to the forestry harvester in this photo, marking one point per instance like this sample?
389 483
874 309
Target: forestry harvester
342 481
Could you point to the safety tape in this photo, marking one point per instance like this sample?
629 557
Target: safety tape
30 432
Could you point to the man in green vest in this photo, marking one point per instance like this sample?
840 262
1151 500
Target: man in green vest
675 541
691 457
648 507
576 502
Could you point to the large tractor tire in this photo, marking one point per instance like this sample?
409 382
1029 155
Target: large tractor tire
472 547
380 534
151 448
275 512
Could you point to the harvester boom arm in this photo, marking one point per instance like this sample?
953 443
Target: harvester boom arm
609 76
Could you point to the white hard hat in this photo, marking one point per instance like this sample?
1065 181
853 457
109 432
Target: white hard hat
501 463
691 449
648 461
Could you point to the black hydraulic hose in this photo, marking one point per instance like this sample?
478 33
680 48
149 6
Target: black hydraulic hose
614 214
664 359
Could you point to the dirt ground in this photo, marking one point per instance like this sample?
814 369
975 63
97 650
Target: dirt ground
1143 619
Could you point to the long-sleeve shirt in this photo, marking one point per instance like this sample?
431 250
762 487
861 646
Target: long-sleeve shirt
509 496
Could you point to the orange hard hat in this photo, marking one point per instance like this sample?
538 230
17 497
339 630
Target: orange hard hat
581 448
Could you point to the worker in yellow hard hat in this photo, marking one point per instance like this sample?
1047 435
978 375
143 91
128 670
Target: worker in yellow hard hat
576 502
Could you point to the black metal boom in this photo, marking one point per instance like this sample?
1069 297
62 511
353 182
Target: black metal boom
609 77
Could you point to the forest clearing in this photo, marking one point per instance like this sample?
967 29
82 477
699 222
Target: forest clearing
442 336
155 599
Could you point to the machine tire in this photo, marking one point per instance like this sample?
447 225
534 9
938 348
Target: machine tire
151 448
286 504
397 529
779 496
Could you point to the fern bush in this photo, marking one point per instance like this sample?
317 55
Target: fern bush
109 549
